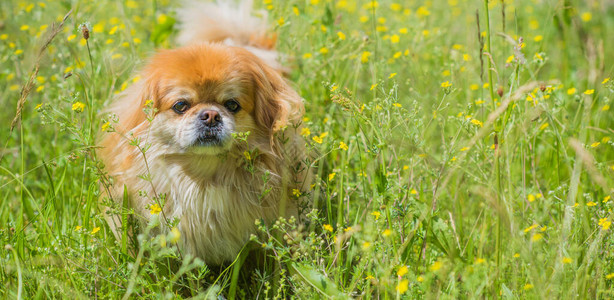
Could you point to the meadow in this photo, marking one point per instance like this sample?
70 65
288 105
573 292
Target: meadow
461 149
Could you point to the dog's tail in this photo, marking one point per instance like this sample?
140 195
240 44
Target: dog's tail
232 22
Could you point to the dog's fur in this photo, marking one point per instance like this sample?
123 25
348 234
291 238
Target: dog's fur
215 190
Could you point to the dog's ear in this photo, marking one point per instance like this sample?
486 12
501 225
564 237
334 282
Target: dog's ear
276 103
128 107
130 104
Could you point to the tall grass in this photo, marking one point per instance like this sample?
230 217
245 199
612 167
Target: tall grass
461 149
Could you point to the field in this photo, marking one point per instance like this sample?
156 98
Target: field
461 149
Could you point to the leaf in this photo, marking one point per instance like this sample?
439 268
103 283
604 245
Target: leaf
316 280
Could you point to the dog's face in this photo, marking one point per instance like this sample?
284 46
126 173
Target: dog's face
203 94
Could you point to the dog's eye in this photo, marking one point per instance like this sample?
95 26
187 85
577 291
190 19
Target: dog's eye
232 105
181 106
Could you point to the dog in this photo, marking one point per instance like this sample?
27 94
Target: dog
210 134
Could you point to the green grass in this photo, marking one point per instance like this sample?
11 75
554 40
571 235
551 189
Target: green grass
441 171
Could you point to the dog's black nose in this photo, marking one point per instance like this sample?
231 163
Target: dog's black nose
210 117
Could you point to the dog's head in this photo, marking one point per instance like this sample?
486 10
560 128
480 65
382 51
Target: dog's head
202 94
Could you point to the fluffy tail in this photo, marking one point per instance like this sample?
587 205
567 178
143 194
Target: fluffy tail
230 22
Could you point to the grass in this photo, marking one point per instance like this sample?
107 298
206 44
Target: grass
462 150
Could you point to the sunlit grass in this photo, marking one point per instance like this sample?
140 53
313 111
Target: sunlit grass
452 158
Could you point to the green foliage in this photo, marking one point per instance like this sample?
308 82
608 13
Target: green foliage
452 159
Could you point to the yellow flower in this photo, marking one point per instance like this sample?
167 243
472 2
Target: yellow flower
609 276
422 11
566 260
606 199
531 197
175 235
155 209
331 176
96 229
317 139
544 126
394 39
420 279
528 286
591 204
341 35
392 75
396 7
446 84
71 37
386 232
105 126
247 155
509 59
78 228
464 149
371 5
296 192
605 80
324 50
343 146
530 228
24 27
403 30
162 18
474 87
307 55
364 57
78 106
98 28
538 38
536 237
413 192
281 21
373 86
480 261
516 255
604 223
113 30
586 17
403 286
589 92
4 36
366 245
327 227
595 144
436 266
305 132
295 10
402 271
571 91
477 122
376 214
